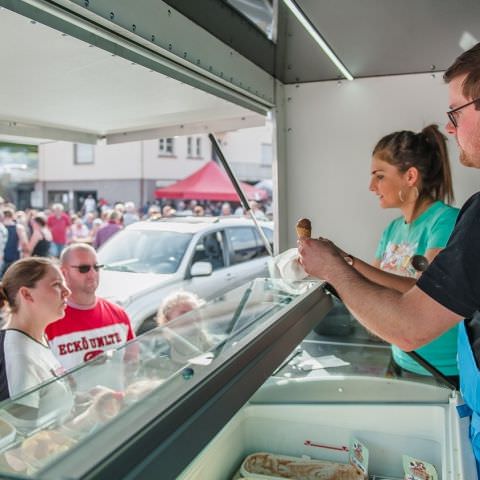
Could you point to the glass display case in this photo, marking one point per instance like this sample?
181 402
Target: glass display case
262 370
152 405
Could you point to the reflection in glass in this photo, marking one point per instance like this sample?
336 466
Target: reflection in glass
259 12
164 362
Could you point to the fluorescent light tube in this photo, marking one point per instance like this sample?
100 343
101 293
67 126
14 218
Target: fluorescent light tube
307 24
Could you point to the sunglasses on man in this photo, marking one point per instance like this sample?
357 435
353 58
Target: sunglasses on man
86 268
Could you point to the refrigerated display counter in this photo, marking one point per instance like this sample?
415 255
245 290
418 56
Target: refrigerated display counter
235 378
147 409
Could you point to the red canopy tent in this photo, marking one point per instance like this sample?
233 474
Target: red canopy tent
208 183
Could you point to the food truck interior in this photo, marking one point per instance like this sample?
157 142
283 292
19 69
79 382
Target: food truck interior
108 72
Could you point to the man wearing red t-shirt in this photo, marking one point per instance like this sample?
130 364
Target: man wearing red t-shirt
58 222
91 325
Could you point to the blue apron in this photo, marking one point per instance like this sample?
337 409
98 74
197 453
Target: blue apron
470 388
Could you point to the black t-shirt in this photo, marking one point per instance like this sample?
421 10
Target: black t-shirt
453 278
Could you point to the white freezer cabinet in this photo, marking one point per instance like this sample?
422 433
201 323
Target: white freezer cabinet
319 417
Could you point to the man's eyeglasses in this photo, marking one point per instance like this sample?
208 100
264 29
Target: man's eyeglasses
452 114
86 268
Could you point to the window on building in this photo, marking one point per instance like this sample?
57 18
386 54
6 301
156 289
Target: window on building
194 147
165 146
198 147
83 154
266 154
189 147
58 196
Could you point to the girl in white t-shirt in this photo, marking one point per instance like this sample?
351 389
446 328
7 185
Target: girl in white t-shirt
35 293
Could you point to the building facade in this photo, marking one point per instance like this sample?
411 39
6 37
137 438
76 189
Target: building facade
68 173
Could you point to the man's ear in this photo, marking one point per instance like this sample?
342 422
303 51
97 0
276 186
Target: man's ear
64 271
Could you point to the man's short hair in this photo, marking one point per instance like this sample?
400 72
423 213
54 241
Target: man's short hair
9 213
114 215
468 63
67 252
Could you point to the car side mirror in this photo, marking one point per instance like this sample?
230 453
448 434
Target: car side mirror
201 269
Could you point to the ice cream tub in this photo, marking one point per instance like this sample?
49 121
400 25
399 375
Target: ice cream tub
267 466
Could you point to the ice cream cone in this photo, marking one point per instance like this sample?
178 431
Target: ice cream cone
304 228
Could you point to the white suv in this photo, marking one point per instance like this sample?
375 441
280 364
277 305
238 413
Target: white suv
205 255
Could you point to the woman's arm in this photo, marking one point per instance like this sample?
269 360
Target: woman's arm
387 279
431 253
22 240
380 277
34 239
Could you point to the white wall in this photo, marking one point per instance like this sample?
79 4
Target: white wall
331 129
245 146
170 169
122 161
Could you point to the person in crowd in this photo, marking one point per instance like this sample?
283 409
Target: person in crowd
58 222
411 171
130 215
107 231
177 304
89 205
185 338
88 220
39 244
17 241
119 207
226 209
97 224
145 208
257 210
239 211
410 313
154 213
198 211
91 325
26 218
103 206
78 231
3 238
23 218
34 290
168 211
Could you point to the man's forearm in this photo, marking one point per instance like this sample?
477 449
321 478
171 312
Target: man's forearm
382 310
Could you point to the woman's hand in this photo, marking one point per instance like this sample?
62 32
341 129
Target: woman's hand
320 258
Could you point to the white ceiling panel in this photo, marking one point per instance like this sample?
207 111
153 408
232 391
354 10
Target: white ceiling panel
66 86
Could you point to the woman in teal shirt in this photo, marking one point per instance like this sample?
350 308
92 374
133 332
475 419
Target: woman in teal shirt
411 172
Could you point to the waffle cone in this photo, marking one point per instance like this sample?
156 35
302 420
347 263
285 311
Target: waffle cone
303 232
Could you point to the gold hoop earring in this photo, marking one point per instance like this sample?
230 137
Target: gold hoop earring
401 196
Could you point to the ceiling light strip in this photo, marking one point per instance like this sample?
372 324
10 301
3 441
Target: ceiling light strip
307 24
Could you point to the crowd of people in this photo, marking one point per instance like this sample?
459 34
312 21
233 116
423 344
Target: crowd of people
45 233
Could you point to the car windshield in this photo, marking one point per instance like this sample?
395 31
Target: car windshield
144 251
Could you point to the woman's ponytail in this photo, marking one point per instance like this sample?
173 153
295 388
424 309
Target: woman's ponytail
438 180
